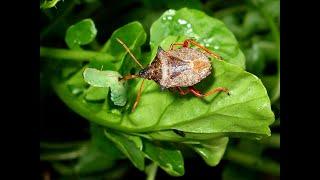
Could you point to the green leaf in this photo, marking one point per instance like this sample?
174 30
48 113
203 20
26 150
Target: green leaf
94 160
211 150
208 31
105 79
130 147
81 33
166 156
46 4
134 36
246 111
105 145
72 93
101 154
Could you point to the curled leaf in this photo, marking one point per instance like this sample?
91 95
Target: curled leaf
167 157
106 79
129 146
211 150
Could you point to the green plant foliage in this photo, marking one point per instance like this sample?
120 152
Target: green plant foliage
208 31
131 146
107 79
211 150
80 33
164 122
166 156
46 4
215 116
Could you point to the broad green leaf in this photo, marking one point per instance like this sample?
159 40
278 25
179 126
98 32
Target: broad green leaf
208 31
211 150
246 111
80 33
128 147
104 79
166 156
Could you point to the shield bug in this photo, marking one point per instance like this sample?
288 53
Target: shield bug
177 68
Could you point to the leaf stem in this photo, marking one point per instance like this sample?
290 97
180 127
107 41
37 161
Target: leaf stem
74 55
62 145
253 162
54 156
151 173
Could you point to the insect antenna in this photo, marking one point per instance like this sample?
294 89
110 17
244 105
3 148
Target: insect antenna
128 50
132 76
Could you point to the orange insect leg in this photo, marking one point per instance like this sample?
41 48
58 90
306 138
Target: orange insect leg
190 41
175 44
197 93
138 96
182 92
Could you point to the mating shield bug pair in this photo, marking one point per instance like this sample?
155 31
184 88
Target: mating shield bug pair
177 68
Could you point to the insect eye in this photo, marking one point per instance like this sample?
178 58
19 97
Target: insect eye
142 72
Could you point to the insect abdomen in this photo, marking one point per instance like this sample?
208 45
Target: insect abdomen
184 67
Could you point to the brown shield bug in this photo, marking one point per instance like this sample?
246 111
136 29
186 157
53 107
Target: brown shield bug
176 68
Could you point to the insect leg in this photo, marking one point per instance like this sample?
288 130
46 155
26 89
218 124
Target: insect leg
175 44
218 89
182 92
138 96
127 77
194 91
215 55
215 90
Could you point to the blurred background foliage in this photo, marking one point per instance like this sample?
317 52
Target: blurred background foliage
65 135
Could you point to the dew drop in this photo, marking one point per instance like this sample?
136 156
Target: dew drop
171 12
181 21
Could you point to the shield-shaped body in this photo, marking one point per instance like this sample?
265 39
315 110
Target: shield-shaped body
178 68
